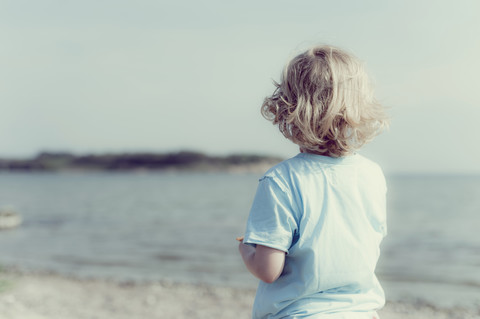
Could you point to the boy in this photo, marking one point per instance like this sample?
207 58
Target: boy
317 219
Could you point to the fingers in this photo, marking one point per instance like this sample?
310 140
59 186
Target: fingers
240 238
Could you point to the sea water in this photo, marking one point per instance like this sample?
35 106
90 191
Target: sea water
182 227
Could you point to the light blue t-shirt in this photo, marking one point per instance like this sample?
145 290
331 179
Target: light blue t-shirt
329 216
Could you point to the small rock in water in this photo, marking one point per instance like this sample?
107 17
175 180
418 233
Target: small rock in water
9 219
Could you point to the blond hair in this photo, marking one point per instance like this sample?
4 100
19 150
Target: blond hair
324 103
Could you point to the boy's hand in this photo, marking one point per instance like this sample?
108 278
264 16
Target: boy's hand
240 239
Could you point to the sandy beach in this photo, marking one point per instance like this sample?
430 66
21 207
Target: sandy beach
41 296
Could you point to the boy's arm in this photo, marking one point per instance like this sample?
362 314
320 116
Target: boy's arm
263 262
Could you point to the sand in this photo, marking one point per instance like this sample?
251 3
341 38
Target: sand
42 296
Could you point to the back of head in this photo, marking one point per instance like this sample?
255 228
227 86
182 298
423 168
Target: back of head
325 104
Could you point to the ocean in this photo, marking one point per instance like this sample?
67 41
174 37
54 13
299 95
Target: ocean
181 226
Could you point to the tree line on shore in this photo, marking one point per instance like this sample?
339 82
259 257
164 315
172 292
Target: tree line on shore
185 160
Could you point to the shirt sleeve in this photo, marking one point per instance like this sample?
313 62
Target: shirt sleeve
271 221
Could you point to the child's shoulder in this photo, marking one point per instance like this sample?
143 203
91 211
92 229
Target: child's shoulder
280 174
282 168
304 163
368 162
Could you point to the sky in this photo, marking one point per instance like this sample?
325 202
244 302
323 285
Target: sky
129 76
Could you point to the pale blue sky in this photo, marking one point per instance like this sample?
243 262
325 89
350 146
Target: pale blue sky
112 76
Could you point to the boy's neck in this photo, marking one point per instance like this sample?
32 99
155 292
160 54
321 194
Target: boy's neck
304 150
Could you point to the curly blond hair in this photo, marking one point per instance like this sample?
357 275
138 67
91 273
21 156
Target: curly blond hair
325 104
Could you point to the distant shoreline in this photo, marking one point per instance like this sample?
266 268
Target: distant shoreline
173 161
